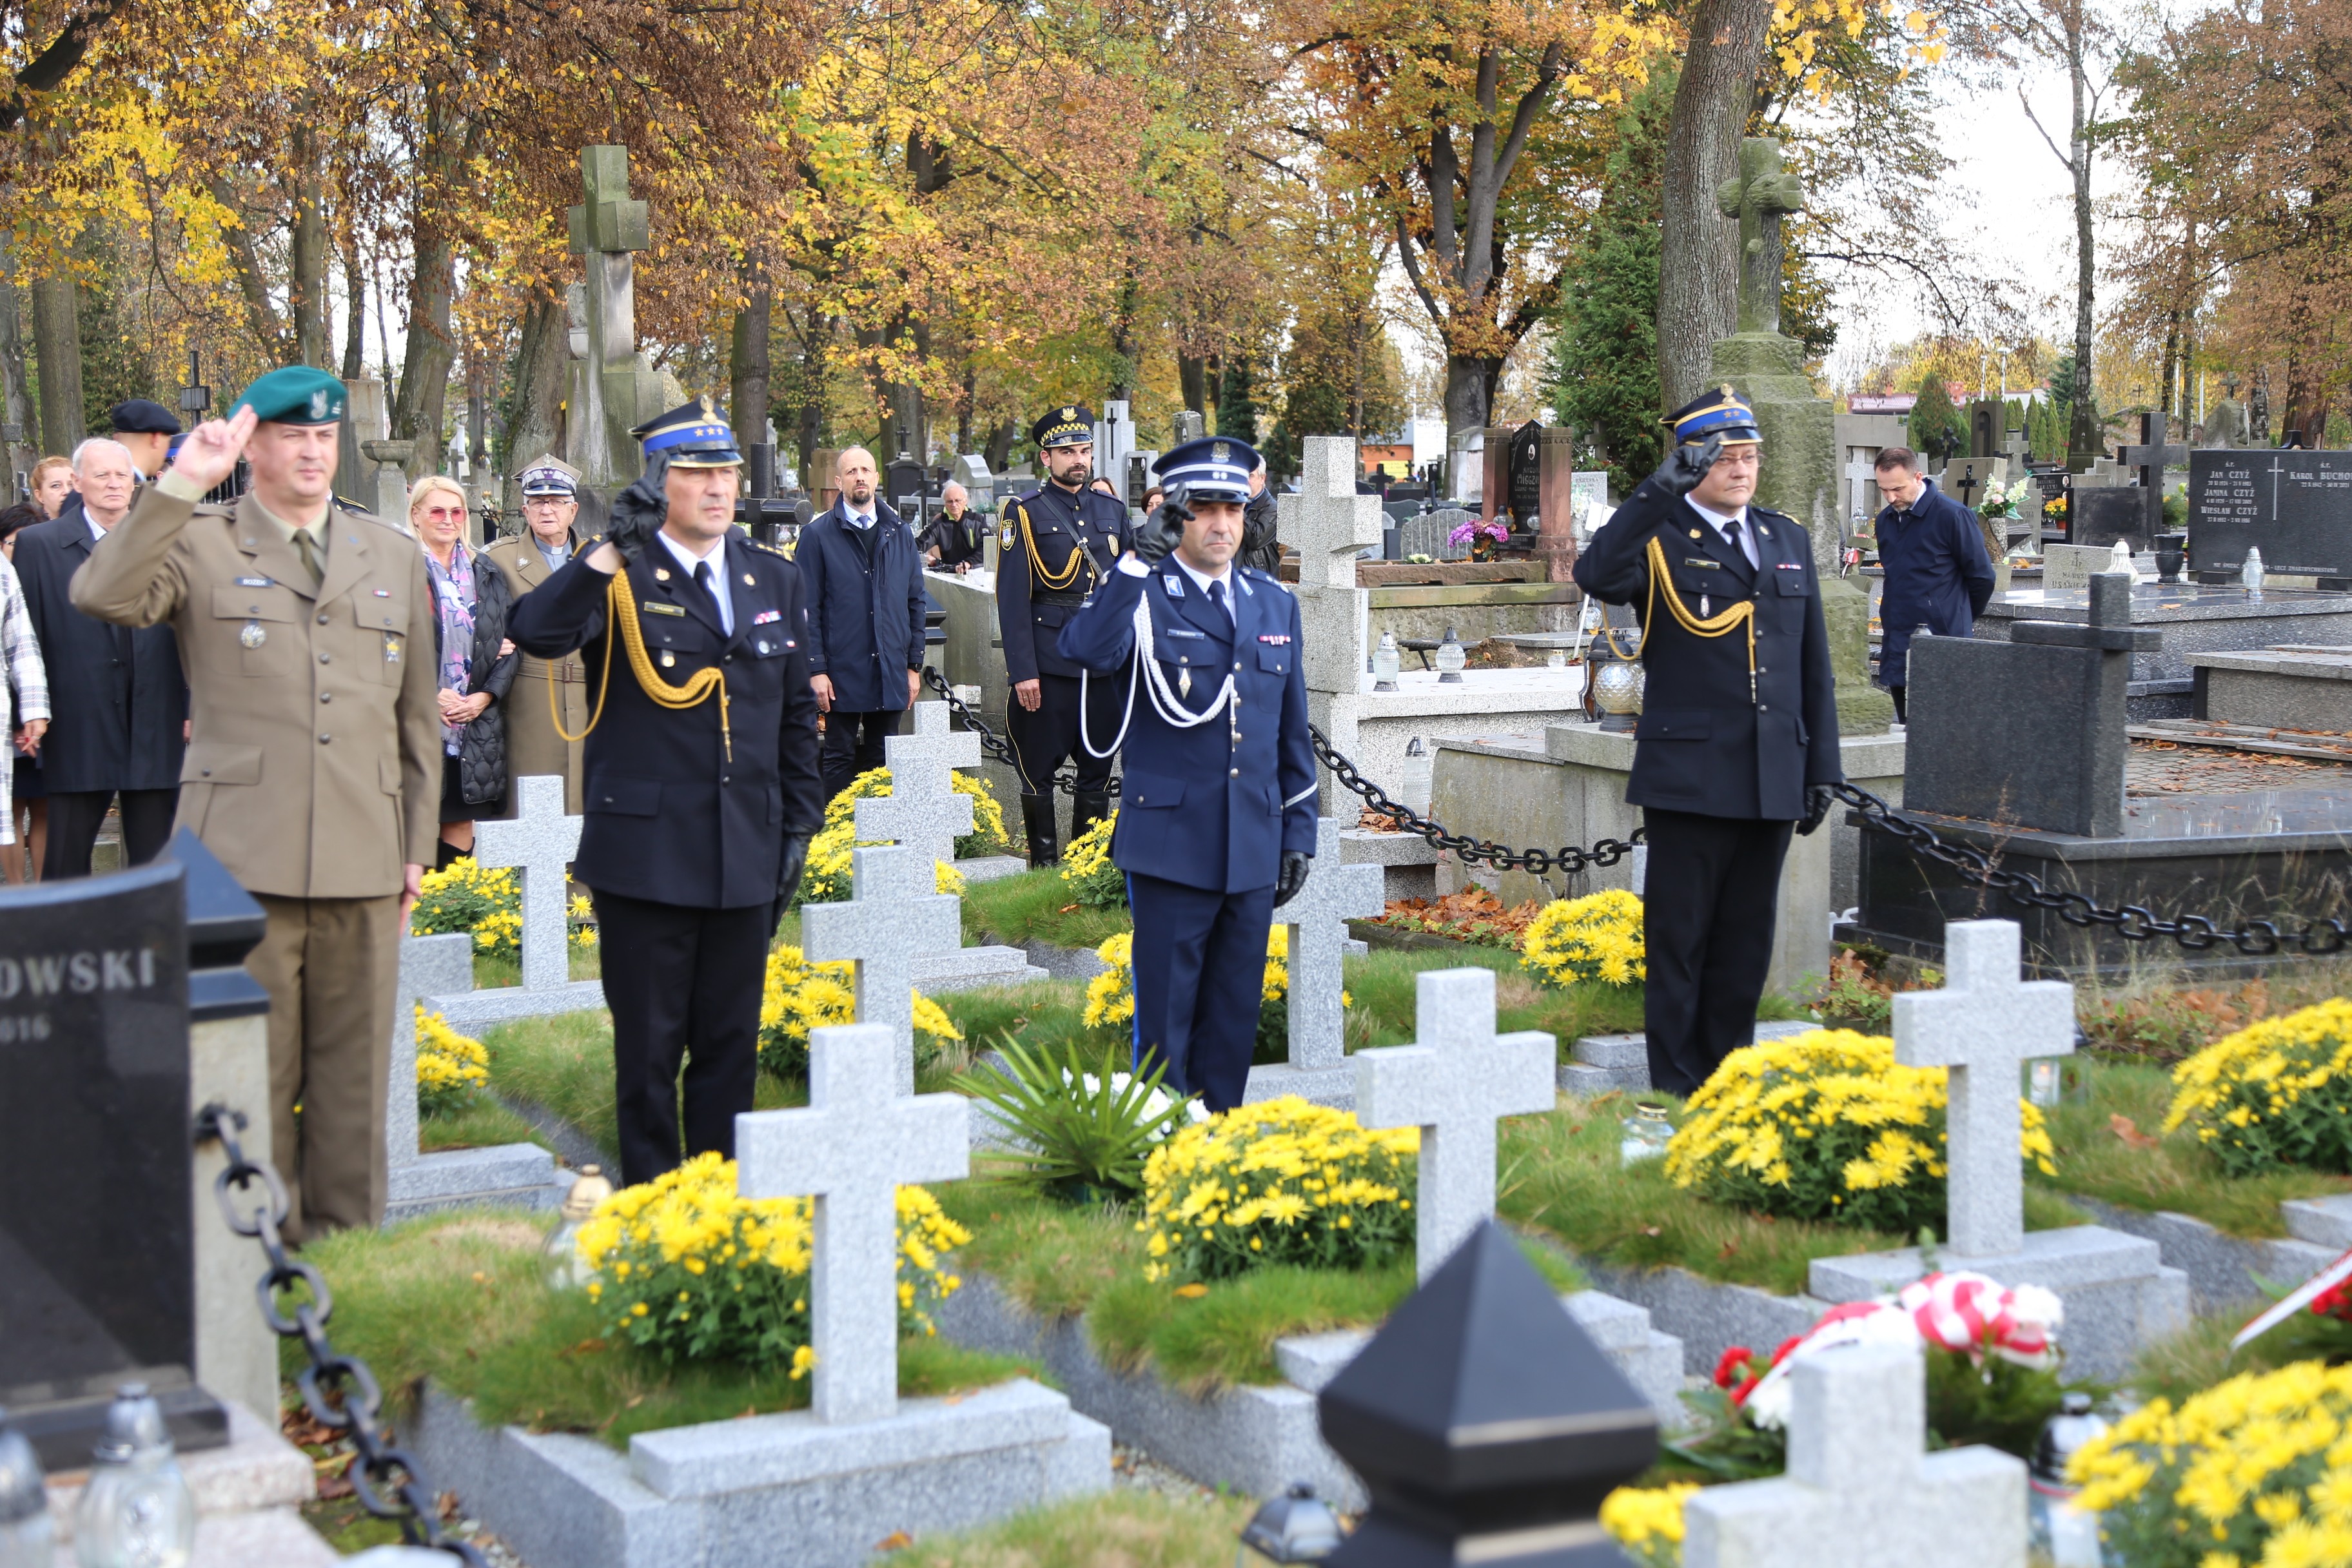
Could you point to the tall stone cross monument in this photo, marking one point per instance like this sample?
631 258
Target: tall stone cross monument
614 388
1800 455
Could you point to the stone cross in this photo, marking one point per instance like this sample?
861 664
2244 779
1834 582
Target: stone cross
892 919
1455 1082
850 1149
539 842
922 810
1983 1025
1760 196
1859 1488
1330 524
2150 458
606 231
430 966
1317 918
1858 473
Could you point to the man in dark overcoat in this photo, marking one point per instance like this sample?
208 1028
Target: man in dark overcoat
864 576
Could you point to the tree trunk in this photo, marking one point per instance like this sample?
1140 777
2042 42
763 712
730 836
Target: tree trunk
355 323
15 387
1698 275
2170 358
746 370
307 256
56 345
432 350
1000 446
2086 439
809 417
1193 376
963 408
540 357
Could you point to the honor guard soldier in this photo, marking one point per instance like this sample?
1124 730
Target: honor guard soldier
699 778
1737 739
307 634
1216 825
1054 545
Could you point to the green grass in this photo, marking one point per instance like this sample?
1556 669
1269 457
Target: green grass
2199 1355
564 1063
1559 1173
480 1125
494 971
1118 1529
1059 1260
2096 1161
1033 905
462 1299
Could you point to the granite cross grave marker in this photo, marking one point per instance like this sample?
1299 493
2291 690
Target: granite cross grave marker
923 810
1317 918
858 1138
892 919
2152 458
613 388
539 842
435 972
1982 1026
1331 525
1455 1082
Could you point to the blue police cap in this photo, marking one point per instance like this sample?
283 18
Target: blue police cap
693 434
1720 412
1214 468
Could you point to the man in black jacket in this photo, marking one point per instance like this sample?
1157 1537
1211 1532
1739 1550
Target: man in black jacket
1938 573
1737 739
864 583
955 541
701 788
119 698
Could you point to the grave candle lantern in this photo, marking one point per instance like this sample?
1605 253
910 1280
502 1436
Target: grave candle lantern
1384 663
1296 1527
137 1510
1450 658
27 1535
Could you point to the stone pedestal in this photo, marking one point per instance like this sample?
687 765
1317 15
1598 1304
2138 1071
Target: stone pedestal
1557 546
237 1355
2276 688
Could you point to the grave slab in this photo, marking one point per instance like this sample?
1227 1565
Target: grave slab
2321 1222
2225 1272
436 970
2192 617
2285 687
1604 1064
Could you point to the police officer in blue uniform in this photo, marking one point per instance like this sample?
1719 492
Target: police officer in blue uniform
701 788
1054 545
1216 823
1737 739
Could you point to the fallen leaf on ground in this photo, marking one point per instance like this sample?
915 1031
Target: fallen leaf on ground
895 1541
1193 1291
2125 1128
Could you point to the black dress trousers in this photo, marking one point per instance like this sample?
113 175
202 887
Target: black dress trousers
1042 740
1707 910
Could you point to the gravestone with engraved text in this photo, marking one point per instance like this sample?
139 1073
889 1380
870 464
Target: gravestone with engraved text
2295 506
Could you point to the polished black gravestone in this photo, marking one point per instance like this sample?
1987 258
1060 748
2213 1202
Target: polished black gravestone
97 1243
2105 513
1488 1427
2297 506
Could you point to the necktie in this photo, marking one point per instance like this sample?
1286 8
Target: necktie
704 581
307 549
1217 596
1731 533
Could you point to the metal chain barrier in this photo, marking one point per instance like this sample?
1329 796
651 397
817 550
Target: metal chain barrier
1568 860
2133 922
337 1390
992 744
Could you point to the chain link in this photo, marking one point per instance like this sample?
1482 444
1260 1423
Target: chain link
990 743
337 1390
2254 938
1568 860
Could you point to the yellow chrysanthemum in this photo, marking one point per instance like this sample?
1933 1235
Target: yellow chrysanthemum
1594 938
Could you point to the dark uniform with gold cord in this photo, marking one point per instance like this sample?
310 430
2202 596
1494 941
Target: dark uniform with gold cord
1737 739
699 779
1054 545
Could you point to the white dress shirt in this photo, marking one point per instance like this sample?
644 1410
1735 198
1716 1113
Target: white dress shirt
717 559
1723 522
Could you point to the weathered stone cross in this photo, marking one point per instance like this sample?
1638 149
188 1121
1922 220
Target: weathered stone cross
2150 458
539 843
1983 1025
1859 1488
892 919
1454 1083
1760 196
856 1141
606 230
1859 473
430 966
1317 918
922 810
1328 524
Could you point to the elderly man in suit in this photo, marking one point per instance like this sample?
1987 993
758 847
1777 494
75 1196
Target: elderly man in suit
120 701
864 581
547 711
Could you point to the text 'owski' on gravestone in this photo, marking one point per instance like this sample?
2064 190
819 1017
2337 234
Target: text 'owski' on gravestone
2295 506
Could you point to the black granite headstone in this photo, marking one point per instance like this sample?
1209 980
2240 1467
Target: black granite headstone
1523 488
2297 506
96 1245
2106 513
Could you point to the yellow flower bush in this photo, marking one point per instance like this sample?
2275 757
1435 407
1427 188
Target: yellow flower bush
1110 996
1278 1181
799 996
2255 1472
685 1268
1647 1521
468 896
582 918
1597 937
825 878
1086 866
2275 1093
1826 1125
451 1067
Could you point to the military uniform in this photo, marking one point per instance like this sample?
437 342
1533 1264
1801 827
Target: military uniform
1053 548
1739 729
314 775
690 804
1209 810
535 746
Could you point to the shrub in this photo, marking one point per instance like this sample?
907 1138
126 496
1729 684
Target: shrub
1594 938
1825 1125
2276 1093
1079 1127
1648 1521
1278 1181
800 996
451 1070
1856 997
685 1268
2250 1471
470 897
1110 996
825 880
1093 881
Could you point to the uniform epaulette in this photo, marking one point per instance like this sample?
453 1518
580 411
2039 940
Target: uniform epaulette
342 504
766 549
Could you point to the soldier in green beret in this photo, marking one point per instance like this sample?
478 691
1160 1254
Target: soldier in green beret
315 767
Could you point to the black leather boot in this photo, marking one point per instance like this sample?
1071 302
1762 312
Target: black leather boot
1038 821
1086 808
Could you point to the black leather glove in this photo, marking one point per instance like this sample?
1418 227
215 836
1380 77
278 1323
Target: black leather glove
1817 808
1160 532
1686 465
787 870
1295 864
637 512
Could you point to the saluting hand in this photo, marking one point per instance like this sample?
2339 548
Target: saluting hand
208 457
1686 465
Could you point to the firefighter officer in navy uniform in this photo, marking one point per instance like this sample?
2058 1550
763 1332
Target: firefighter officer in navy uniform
1054 545
1737 740
1216 823
700 783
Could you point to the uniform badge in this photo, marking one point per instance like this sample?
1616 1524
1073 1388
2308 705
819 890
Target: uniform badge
765 617
1275 638
653 609
392 650
1175 586
1184 684
1703 611
668 659
1221 453
253 636
1694 534
661 574
254 582
381 592
1005 537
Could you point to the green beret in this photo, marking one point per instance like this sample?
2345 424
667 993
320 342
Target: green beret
296 395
